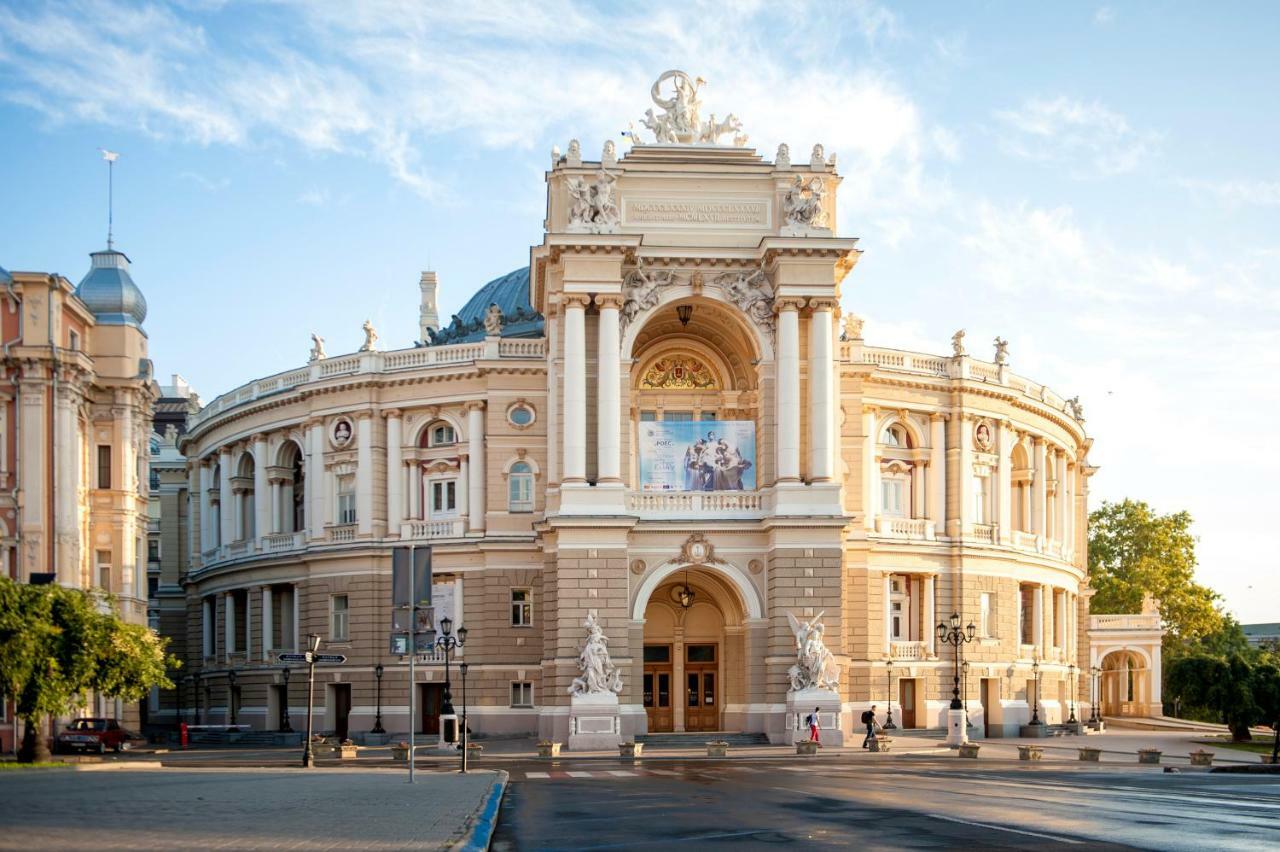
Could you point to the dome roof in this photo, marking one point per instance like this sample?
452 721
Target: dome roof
5 277
109 293
511 294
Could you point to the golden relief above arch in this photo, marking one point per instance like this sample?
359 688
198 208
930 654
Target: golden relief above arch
679 371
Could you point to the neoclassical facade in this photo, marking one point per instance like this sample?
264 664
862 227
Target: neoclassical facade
687 291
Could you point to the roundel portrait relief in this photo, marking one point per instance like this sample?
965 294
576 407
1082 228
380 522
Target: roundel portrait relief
341 432
982 436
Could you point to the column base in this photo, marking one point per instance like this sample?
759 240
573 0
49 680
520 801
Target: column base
579 498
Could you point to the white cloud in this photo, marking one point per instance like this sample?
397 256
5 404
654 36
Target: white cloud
1088 138
1236 193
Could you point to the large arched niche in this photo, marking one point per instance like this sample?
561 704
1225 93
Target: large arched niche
723 582
721 326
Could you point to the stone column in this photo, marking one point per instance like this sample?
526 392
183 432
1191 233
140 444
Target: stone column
938 475
888 613
268 623
206 508
1004 476
228 624
870 467
964 487
821 390
930 615
315 485
1060 500
395 472
575 389
262 502
917 491
195 507
364 473
786 388
475 450
464 488
1037 618
415 489
608 394
226 500
1039 487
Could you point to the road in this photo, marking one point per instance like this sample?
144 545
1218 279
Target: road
911 803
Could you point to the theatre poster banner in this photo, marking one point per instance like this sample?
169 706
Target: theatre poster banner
698 455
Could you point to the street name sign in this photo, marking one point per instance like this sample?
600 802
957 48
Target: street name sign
309 657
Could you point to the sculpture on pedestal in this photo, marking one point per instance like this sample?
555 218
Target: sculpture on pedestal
680 122
815 666
853 326
599 674
493 321
317 348
370 337
592 207
1075 409
1002 351
957 343
802 206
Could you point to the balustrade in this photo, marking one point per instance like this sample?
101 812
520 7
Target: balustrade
908 650
685 503
448 528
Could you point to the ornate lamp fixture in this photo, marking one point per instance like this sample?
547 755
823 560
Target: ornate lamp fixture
685 313
686 593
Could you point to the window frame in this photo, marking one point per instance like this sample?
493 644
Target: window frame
522 610
340 616
443 482
986 615
345 508
525 688
105 461
440 426
520 476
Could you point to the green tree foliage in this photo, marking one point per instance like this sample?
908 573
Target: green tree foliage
58 645
1135 551
1239 691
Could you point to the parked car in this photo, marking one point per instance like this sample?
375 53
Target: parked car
93 735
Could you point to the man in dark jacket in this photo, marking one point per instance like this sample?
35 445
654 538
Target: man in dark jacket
869 719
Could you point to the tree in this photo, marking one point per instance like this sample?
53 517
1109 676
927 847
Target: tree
1134 551
57 645
1237 690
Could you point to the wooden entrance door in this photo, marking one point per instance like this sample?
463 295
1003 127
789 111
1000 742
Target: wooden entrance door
702 683
658 673
907 701
430 697
341 709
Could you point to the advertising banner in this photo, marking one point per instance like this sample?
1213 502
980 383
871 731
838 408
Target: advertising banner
698 455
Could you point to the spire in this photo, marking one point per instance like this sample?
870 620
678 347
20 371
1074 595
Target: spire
110 157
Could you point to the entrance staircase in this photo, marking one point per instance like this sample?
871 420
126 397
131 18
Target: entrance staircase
697 740
245 739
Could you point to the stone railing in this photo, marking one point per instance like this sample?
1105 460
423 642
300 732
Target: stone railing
449 528
1025 540
918 529
1028 652
1125 622
985 533
683 504
279 542
908 650
237 549
339 533
424 357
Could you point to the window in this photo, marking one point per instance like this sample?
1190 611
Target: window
648 416
893 437
338 619
441 434
206 626
892 493
73 341
986 615
521 608
1026 620
521 694
707 415
153 550
444 496
346 499
980 500
153 586
520 415
700 653
678 416
520 488
104 466
103 558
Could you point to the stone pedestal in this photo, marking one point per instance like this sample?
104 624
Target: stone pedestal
1033 731
800 704
957 728
595 722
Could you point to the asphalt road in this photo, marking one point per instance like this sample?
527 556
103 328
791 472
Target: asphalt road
924 803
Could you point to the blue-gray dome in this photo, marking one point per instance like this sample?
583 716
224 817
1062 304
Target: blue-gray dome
511 294
5 277
109 293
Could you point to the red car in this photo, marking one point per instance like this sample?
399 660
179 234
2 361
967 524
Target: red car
93 735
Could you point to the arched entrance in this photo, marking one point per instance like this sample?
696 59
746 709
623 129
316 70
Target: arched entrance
1125 684
694 652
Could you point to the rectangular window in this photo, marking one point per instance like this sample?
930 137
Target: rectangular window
1026 618
444 496
708 415
73 341
346 499
338 618
701 653
986 615
521 694
657 653
153 587
104 465
153 550
980 500
648 416
104 569
521 608
891 496
678 416
520 496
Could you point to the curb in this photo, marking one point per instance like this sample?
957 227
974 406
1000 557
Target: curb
482 823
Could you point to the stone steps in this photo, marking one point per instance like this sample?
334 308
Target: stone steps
699 739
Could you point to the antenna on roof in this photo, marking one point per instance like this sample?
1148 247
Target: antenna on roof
110 157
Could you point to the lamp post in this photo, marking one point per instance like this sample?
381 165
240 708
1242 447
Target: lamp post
1071 669
285 727
1035 704
1095 676
231 695
308 757
447 642
188 682
964 689
888 716
462 668
950 633
377 719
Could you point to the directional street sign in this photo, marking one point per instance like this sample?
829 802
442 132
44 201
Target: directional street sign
308 657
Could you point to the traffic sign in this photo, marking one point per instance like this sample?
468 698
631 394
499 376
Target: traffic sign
330 658
295 658
308 657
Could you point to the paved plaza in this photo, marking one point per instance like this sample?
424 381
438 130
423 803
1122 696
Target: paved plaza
238 809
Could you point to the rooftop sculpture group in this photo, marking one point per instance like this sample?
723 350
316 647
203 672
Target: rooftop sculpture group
681 121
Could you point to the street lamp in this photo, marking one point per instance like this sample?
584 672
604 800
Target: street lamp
950 633
189 681
377 720
1071 669
231 695
888 716
1035 705
964 688
462 667
447 642
308 757
1095 675
285 727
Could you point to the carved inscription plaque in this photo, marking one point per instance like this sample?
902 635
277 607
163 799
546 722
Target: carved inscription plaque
719 212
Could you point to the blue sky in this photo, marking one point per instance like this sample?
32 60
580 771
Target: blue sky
1095 182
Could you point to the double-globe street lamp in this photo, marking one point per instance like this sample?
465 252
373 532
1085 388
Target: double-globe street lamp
950 633
448 643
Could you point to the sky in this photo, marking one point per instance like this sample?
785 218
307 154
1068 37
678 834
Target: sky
1097 183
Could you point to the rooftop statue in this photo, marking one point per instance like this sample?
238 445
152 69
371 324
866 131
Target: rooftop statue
317 347
370 337
493 321
681 122
802 206
957 343
1002 351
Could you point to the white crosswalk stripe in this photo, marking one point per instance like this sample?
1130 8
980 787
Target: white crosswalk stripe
578 774
537 775
622 773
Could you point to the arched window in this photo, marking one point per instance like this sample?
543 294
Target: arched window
440 434
520 488
894 436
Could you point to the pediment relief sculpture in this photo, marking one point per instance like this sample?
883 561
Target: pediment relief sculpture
593 207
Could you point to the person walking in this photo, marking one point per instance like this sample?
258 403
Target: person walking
812 721
869 719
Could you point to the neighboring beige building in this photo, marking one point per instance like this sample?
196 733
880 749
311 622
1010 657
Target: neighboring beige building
77 397
682 283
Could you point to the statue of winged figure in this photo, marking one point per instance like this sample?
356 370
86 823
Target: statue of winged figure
599 674
815 666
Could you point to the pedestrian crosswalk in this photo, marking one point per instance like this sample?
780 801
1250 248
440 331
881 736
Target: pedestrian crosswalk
646 772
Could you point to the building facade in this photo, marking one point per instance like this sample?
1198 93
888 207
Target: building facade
77 395
685 292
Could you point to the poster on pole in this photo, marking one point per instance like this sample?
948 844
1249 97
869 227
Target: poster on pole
698 455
